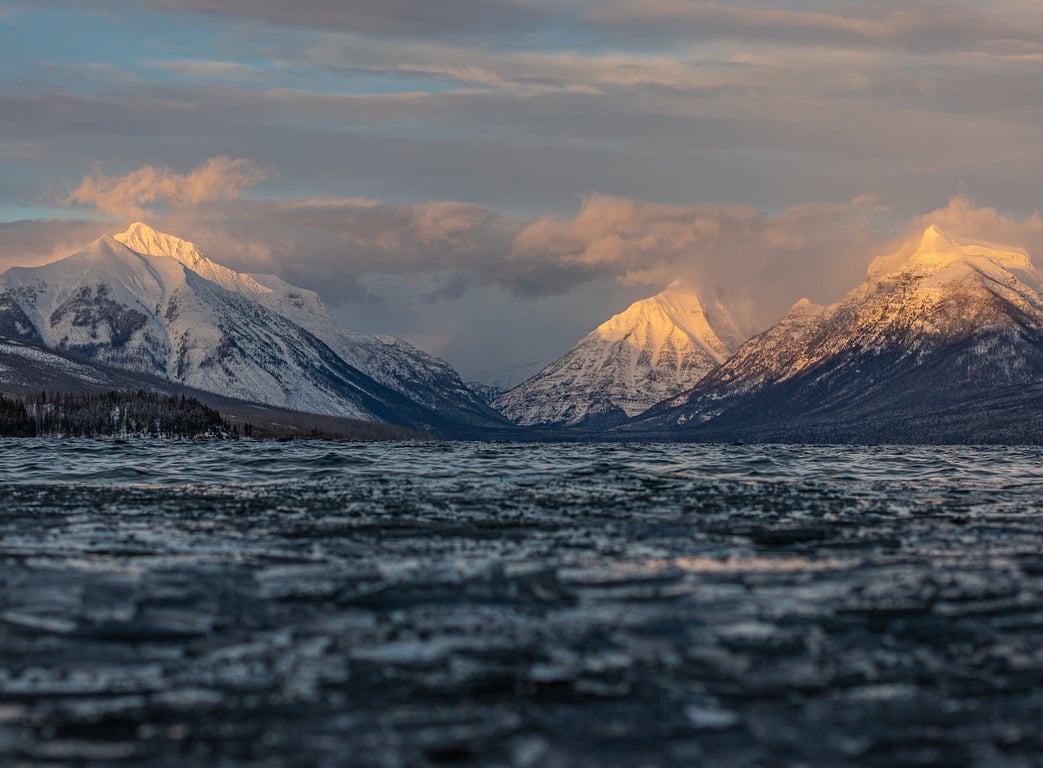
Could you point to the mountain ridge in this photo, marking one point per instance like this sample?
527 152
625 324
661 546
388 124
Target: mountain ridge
952 322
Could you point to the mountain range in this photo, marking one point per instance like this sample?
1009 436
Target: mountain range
942 342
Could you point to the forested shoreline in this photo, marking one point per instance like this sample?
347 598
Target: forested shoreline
112 414
146 414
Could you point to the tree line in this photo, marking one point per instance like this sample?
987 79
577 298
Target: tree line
111 414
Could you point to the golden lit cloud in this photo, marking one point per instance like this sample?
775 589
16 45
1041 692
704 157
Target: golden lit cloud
138 192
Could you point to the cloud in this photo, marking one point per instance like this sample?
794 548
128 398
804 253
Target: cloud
523 72
502 19
913 25
751 117
446 250
924 25
204 70
334 244
219 178
738 253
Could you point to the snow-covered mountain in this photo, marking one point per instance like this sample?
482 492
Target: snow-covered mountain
655 349
940 327
152 303
431 382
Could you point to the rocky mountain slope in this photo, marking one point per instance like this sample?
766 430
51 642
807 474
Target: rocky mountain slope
655 349
151 303
918 352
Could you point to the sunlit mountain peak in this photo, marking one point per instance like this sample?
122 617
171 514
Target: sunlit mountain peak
142 238
654 349
936 247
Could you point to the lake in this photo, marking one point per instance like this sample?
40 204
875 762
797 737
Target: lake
504 604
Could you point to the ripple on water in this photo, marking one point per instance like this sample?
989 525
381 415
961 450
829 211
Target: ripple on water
244 462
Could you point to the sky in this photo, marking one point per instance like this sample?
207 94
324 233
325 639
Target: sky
490 179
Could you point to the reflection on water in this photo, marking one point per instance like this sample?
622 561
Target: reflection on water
172 603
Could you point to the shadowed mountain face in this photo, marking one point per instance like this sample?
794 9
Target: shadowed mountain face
942 343
152 303
656 348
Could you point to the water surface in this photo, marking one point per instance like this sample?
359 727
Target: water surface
311 603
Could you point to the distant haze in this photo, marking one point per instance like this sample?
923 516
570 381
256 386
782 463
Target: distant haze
492 179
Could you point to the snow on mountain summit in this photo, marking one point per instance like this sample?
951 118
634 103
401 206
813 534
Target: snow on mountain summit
142 238
654 349
664 319
936 248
